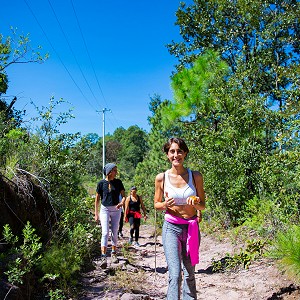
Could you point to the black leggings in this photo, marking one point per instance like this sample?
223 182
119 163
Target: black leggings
121 222
134 227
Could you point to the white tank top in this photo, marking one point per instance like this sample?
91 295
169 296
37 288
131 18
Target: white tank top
180 194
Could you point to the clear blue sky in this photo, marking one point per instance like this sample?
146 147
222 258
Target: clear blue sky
125 42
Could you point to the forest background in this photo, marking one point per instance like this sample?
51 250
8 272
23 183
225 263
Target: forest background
236 104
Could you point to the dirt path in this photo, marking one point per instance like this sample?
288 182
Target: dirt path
135 277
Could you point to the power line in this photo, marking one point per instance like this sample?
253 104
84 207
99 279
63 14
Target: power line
88 53
65 36
49 41
89 56
57 54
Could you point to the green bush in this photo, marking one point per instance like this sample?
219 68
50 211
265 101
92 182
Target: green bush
286 248
70 249
63 261
253 250
22 257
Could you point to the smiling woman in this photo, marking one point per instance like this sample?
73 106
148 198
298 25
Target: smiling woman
183 193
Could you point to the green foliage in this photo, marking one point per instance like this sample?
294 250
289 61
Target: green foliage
54 157
125 147
193 88
27 254
56 295
15 49
63 261
286 249
76 238
254 249
9 236
132 150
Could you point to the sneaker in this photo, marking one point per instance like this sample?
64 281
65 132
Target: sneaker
120 234
114 258
137 244
103 262
130 241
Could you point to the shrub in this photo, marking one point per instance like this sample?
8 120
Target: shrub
286 248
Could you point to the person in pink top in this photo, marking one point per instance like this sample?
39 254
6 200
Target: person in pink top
180 193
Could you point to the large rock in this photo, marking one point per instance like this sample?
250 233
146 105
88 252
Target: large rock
24 199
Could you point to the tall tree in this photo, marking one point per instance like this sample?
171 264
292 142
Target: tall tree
258 39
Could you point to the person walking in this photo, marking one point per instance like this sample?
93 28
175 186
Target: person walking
108 191
180 193
133 205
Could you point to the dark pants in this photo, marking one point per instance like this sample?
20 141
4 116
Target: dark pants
121 222
134 227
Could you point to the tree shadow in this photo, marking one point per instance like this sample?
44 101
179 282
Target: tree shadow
284 290
208 271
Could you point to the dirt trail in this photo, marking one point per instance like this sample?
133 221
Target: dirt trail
262 281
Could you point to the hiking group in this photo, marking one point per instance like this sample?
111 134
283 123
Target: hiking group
179 193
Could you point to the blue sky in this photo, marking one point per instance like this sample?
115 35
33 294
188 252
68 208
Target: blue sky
124 45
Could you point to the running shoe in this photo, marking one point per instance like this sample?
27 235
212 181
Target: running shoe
114 258
103 262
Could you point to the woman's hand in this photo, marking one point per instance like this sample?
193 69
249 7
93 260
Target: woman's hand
119 205
193 200
169 202
97 220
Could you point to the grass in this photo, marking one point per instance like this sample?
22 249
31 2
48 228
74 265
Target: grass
286 249
127 281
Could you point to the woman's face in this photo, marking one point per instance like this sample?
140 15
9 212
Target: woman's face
133 192
112 174
176 155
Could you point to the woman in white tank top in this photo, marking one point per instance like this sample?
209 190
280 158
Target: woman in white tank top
180 193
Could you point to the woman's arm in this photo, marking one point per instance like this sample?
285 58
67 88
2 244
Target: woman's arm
126 208
97 201
120 204
158 196
143 207
199 204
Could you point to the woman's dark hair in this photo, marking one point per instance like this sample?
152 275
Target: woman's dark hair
180 142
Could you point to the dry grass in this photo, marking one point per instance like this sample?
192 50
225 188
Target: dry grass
127 281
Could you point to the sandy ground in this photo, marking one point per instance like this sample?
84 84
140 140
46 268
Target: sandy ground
145 276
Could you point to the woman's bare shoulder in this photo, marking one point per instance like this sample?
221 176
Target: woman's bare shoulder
160 177
197 174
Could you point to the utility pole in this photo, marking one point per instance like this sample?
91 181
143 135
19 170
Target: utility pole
103 136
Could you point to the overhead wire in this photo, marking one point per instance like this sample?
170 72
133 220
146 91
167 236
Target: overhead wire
61 61
86 48
71 49
87 51
90 59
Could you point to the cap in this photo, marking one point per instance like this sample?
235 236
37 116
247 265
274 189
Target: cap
108 167
133 188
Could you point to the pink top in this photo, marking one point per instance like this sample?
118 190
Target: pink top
192 248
